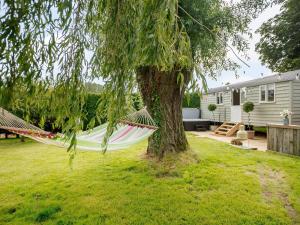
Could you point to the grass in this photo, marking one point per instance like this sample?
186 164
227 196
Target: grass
213 184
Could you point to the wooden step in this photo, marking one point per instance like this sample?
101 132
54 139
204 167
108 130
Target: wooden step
233 130
223 129
228 128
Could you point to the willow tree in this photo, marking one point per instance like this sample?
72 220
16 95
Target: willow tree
161 47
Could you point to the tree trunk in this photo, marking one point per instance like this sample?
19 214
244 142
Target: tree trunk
163 95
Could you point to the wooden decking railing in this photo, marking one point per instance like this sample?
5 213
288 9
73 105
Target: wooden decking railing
285 139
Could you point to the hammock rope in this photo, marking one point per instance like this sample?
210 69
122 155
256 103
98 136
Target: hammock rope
130 130
140 119
14 124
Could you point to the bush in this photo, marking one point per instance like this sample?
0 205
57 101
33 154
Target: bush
260 129
212 107
90 108
248 107
191 100
93 100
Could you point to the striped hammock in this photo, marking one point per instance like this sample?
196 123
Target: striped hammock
130 130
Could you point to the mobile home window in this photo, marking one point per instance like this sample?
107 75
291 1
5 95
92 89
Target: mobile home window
243 95
263 93
267 93
220 98
271 92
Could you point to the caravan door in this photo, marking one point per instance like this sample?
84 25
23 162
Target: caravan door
236 109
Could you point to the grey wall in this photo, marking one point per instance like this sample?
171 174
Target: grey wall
222 112
296 102
265 113
190 113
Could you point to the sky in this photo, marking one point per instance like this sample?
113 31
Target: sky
256 67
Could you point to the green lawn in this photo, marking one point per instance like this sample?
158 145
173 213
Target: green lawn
214 184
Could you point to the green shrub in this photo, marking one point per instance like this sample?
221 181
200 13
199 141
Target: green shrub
191 100
248 107
90 108
212 107
91 104
260 129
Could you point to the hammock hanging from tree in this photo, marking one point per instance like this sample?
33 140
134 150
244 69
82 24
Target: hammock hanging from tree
130 130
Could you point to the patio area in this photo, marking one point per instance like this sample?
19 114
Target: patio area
258 142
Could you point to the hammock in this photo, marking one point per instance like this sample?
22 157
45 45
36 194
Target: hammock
130 130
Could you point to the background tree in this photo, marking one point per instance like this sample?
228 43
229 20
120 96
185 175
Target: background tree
279 46
160 46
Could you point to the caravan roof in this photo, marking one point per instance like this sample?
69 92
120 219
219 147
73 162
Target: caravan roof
280 77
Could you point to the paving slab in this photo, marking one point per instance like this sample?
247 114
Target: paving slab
258 142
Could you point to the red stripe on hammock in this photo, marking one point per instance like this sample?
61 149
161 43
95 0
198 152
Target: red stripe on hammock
124 133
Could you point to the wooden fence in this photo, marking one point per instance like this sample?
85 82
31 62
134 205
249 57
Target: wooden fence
285 139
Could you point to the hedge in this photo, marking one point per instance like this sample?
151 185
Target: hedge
191 100
90 108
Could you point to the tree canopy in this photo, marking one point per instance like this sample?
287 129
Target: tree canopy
279 46
60 45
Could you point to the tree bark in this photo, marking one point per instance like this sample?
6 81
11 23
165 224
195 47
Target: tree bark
163 96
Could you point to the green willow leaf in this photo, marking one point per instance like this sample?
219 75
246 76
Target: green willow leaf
64 44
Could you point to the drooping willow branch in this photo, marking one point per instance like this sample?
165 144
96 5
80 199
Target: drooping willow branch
50 48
